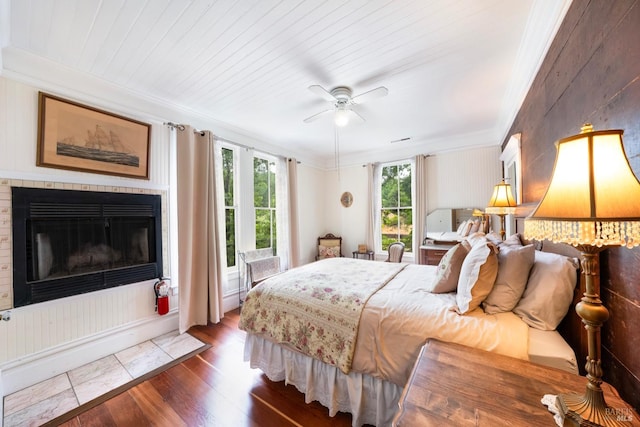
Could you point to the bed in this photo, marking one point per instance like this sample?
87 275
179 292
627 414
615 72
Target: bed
346 332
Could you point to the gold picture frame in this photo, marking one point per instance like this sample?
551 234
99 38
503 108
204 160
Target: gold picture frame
78 137
346 199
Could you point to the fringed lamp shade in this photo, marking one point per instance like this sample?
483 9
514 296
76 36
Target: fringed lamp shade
502 201
593 198
592 203
502 204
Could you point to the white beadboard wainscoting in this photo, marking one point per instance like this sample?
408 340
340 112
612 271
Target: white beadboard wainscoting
42 340
46 339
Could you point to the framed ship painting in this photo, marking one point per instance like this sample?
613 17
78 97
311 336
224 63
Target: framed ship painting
77 137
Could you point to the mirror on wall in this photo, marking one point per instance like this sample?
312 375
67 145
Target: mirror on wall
512 163
445 220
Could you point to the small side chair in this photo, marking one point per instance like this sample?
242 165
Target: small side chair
396 250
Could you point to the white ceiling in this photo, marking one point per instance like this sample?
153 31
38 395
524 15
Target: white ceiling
456 71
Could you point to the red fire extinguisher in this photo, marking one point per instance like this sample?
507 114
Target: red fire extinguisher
161 289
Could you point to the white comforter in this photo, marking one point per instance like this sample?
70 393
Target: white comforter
401 316
395 321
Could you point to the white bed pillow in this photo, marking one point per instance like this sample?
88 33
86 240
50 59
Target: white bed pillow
467 228
449 269
477 276
494 238
513 240
514 265
476 238
549 291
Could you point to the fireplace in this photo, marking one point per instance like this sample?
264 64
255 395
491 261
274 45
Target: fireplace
68 242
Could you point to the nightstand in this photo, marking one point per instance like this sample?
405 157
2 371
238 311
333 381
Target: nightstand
452 384
367 254
432 254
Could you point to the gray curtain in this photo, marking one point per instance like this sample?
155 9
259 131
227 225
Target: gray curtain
200 273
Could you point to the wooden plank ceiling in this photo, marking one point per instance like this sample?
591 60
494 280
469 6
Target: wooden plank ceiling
456 71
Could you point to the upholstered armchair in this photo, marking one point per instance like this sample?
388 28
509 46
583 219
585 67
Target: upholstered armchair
329 246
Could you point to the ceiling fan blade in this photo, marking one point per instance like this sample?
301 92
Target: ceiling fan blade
356 115
317 116
378 92
322 93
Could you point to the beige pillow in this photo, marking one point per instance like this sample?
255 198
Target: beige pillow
549 291
494 238
514 264
513 240
477 276
449 269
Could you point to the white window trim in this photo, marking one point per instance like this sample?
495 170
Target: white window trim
236 195
270 159
409 255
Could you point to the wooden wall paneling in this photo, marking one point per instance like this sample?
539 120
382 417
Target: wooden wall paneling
618 374
620 337
620 343
592 73
583 45
621 265
571 20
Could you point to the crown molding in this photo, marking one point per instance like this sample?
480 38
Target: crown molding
50 76
543 24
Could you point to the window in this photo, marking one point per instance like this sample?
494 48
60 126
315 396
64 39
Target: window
396 215
264 202
228 179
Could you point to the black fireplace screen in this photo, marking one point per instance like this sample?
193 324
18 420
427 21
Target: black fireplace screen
71 242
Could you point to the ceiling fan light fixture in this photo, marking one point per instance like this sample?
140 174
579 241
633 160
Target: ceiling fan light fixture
340 97
341 117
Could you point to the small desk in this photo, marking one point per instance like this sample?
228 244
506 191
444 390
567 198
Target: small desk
452 384
367 254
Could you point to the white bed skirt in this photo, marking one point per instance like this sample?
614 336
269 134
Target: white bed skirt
370 400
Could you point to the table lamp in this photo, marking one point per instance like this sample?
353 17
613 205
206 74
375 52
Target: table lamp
502 204
592 204
484 220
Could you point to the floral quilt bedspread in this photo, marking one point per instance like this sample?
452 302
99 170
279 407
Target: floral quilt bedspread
316 308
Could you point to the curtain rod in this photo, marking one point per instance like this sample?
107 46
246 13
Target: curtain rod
398 160
182 127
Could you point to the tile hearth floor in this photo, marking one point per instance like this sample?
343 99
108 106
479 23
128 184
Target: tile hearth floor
51 398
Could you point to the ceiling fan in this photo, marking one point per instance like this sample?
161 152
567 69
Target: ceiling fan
343 102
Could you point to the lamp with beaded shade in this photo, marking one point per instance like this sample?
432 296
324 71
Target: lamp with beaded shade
502 204
591 203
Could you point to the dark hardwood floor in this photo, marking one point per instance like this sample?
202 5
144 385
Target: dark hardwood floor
213 388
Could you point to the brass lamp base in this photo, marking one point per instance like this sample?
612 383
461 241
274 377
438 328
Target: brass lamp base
589 410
